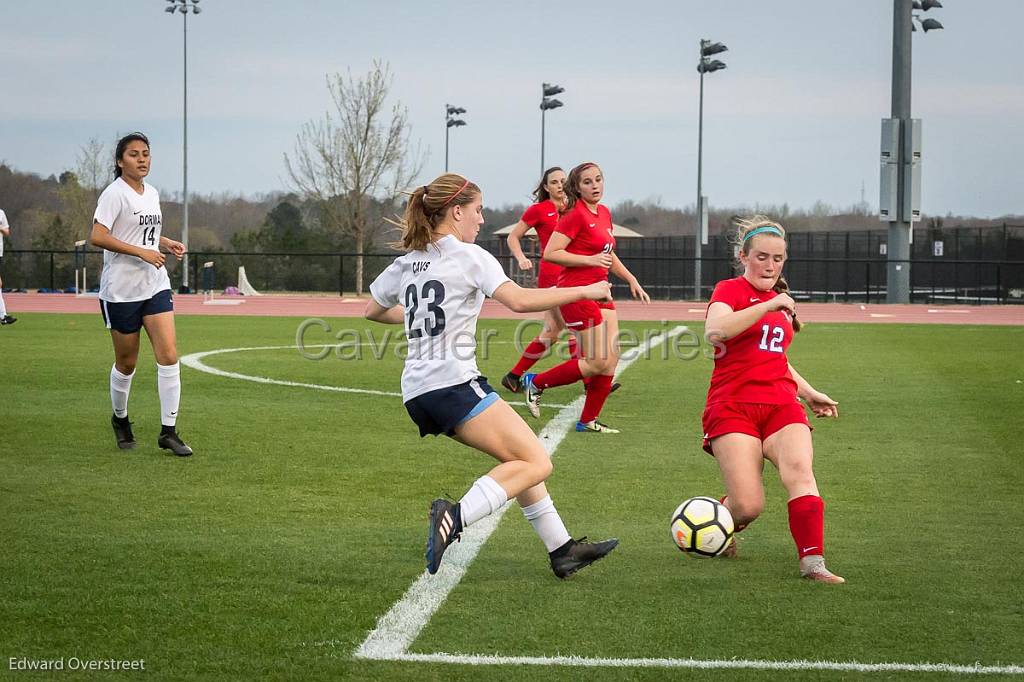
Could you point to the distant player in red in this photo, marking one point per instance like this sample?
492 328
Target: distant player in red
752 411
543 218
583 243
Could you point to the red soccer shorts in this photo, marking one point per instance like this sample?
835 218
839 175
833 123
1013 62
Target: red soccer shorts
548 274
584 314
759 420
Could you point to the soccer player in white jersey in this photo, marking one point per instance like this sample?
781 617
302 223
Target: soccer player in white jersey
135 291
436 290
5 231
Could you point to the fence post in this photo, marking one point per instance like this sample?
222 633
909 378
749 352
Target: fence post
846 271
867 282
341 275
999 285
51 270
956 281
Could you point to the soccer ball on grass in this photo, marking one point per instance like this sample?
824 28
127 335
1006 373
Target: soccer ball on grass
702 526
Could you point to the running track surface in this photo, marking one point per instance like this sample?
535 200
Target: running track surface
683 311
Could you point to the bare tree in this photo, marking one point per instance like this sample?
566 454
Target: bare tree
357 152
80 189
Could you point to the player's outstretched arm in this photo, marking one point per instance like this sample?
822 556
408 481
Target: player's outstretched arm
520 300
378 313
820 404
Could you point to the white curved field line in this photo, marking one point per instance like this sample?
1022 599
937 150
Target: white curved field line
399 627
195 361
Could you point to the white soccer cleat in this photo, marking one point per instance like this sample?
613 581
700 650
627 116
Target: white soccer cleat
812 567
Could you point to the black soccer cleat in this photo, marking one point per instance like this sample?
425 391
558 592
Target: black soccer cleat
511 382
616 386
123 432
445 528
7 319
577 554
172 441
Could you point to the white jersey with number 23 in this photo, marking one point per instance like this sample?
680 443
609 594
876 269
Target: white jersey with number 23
442 290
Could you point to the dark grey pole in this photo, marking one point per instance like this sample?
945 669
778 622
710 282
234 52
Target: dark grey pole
698 212
542 113
184 164
446 129
898 275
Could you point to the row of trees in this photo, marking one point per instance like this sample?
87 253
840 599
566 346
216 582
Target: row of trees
348 171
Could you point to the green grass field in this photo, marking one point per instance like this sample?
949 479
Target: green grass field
301 518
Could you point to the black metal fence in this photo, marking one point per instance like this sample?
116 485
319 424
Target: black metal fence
666 277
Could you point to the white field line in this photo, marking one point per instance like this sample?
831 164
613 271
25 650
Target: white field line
835 666
955 312
195 361
401 625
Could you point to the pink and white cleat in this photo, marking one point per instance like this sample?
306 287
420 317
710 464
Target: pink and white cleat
812 567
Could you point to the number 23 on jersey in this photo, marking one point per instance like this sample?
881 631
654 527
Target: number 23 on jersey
432 294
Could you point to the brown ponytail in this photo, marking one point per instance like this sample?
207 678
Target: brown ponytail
782 287
428 205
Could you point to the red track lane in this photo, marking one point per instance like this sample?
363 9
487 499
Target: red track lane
334 306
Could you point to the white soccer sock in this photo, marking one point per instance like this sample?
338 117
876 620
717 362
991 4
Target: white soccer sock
168 383
547 523
120 386
484 498
3 306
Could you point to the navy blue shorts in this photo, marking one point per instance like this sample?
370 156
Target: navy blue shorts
127 317
441 410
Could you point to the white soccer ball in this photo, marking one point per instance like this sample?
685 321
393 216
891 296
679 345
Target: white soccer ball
702 526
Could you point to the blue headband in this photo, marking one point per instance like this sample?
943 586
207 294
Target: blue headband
765 228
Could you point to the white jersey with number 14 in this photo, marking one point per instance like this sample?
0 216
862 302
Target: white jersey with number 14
134 219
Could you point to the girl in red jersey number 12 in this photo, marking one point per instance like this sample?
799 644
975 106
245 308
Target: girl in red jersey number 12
752 411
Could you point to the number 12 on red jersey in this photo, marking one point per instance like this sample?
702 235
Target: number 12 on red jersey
774 344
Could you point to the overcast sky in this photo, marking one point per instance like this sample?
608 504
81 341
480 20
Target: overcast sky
794 118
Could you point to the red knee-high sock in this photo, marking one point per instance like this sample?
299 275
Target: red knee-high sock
807 524
534 352
560 375
597 392
575 354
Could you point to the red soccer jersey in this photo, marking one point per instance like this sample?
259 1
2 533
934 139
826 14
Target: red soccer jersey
542 217
754 367
590 234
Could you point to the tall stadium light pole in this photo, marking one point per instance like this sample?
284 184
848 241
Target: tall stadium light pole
705 65
451 122
898 249
183 7
547 101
